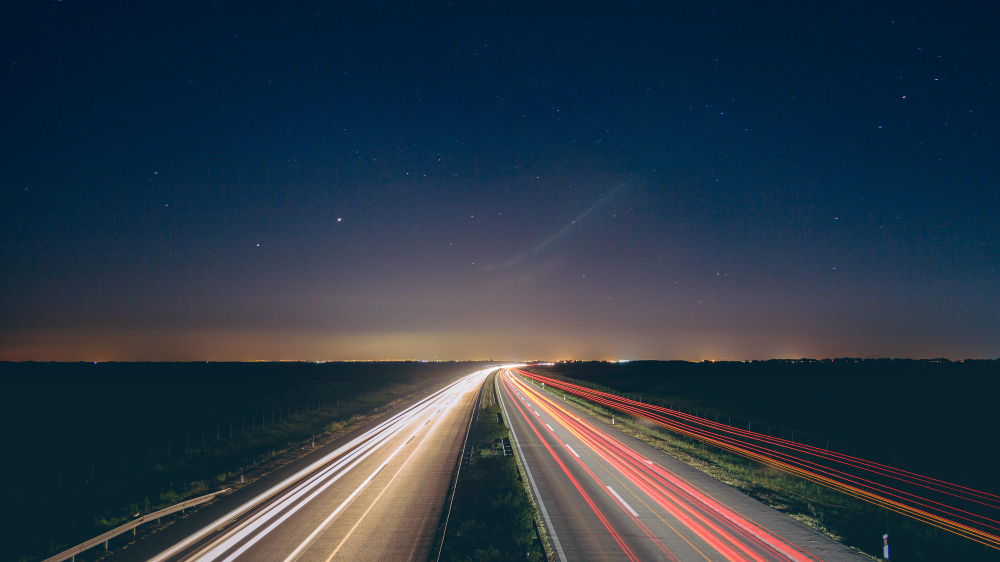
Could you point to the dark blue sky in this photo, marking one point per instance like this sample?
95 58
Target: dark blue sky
745 182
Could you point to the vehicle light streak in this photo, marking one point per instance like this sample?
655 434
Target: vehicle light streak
307 483
576 484
726 531
350 499
834 470
634 517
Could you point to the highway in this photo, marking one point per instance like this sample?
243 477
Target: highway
379 496
607 496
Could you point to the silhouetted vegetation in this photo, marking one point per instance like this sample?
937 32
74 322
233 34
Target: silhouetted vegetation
92 445
492 517
933 417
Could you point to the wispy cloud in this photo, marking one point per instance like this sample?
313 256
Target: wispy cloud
551 239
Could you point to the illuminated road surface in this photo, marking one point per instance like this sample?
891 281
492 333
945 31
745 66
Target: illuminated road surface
378 497
608 496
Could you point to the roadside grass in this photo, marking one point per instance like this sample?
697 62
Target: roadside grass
493 517
853 522
258 451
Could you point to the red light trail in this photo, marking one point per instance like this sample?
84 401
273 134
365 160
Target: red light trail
702 517
854 476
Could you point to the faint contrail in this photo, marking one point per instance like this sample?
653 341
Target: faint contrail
541 246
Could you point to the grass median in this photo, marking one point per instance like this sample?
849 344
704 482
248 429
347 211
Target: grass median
492 517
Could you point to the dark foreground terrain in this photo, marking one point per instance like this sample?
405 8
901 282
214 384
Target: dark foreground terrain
88 446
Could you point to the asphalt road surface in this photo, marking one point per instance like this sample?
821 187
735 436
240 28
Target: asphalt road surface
605 495
379 496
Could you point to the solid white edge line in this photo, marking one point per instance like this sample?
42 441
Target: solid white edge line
254 538
571 450
623 502
310 469
534 487
308 542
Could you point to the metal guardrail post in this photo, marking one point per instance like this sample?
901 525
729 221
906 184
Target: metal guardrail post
70 553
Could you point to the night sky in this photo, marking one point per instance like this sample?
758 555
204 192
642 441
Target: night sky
497 180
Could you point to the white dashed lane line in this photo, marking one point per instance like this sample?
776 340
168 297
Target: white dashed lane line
619 498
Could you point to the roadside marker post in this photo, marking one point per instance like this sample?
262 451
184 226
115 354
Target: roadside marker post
612 419
885 546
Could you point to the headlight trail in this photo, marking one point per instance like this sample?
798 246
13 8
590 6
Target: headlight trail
297 491
927 499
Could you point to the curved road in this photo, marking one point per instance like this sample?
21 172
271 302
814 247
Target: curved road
608 496
379 496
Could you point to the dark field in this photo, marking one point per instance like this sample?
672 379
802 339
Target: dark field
935 418
88 445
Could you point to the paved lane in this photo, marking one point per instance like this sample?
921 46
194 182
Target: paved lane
379 496
608 496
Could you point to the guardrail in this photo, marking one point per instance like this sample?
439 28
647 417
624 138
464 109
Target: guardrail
70 554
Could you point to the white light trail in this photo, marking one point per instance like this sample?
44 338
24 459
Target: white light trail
356 450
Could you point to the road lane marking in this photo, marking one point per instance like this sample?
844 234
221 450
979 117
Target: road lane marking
537 414
377 498
304 545
657 515
314 484
531 479
409 412
550 428
410 438
586 497
220 546
219 550
623 502
384 490
571 450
